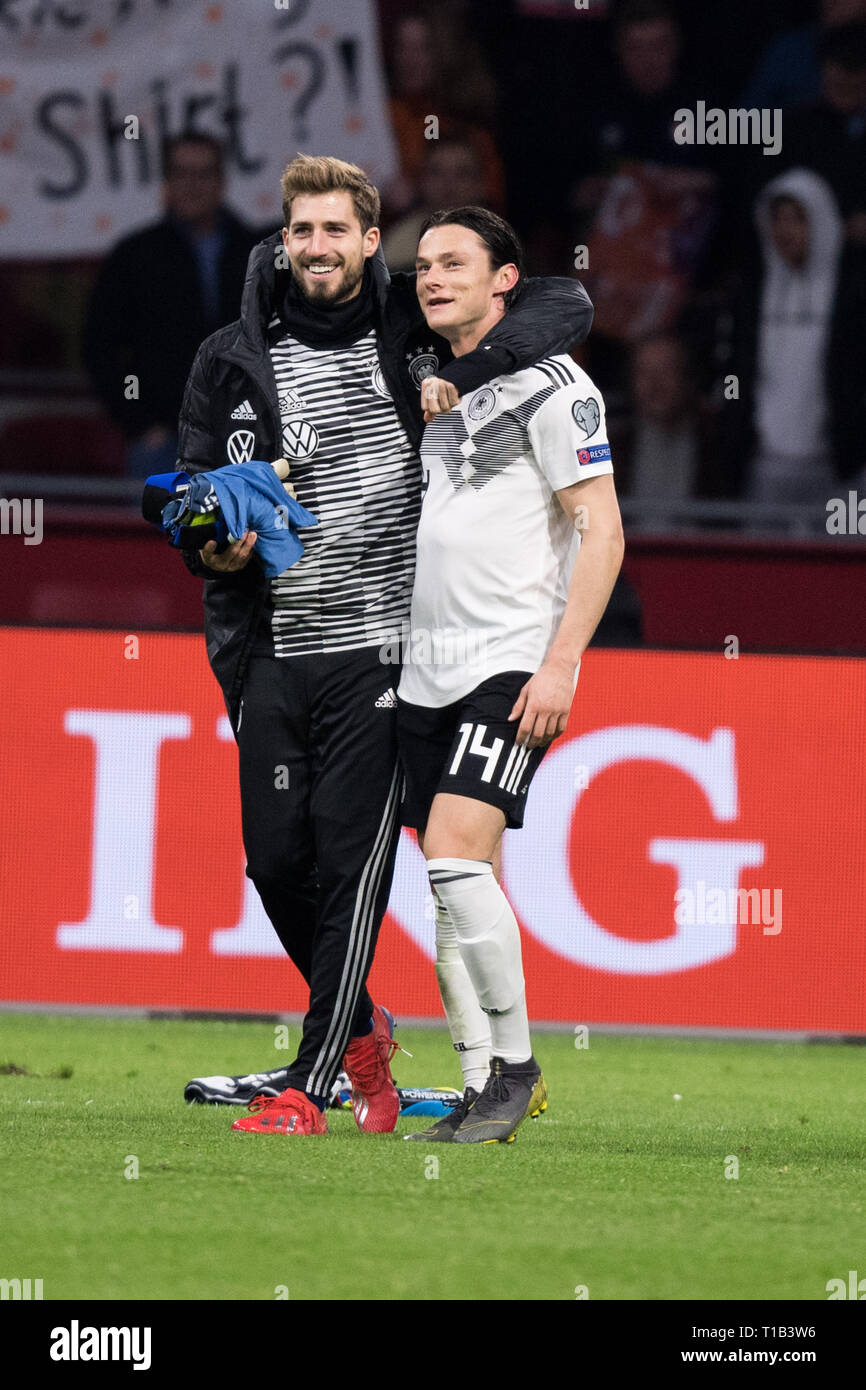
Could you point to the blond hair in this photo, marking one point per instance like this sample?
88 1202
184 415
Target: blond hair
308 173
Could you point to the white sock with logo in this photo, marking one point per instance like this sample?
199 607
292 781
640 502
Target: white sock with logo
467 1021
488 938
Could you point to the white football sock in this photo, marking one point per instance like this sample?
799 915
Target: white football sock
489 940
467 1021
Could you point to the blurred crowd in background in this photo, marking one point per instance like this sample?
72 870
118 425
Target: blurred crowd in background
729 283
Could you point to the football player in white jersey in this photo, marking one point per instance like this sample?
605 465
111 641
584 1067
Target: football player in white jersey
519 546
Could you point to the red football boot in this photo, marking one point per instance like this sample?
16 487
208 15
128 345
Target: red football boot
289 1113
367 1063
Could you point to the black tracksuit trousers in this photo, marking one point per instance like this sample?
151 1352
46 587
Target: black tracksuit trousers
320 802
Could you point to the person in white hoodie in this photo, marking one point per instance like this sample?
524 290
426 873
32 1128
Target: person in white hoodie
801 236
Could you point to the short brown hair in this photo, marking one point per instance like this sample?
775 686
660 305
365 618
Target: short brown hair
308 173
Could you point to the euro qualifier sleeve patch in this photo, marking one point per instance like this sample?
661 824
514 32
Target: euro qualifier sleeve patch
587 415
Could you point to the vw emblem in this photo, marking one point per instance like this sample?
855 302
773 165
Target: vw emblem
377 381
300 439
240 446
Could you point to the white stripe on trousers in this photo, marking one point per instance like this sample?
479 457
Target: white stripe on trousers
362 920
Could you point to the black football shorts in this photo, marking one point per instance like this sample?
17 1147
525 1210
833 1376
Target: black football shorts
467 749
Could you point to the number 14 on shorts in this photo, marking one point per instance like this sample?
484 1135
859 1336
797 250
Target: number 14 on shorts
490 752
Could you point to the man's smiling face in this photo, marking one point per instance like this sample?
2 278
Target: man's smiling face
326 246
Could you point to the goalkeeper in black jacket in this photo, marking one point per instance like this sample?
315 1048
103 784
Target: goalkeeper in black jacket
325 368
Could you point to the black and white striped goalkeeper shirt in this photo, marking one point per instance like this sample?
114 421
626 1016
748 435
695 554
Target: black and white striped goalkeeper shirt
353 466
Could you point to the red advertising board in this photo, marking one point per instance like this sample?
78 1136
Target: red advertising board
694 853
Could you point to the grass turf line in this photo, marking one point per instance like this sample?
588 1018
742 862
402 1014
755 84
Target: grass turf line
619 1187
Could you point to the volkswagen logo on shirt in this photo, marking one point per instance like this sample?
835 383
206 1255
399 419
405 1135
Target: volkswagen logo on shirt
300 439
378 382
240 446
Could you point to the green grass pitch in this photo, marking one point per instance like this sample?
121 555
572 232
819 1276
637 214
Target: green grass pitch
620 1188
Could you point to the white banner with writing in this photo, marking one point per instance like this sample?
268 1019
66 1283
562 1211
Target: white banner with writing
268 77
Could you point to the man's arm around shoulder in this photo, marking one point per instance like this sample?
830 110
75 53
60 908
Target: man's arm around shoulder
551 315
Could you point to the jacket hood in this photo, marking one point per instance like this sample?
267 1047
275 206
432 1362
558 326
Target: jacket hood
261 285
825 223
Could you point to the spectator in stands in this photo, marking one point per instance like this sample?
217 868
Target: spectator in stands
435 69
797 428
830 135
646 212
634 121
788 73
161 291
665 452
451 176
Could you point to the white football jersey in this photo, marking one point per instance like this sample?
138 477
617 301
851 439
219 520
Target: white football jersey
495 548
